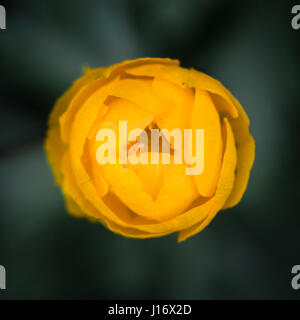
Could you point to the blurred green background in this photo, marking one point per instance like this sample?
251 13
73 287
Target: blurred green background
246 252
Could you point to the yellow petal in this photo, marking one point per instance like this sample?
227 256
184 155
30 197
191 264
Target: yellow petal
176 104
133 233
151 177
82 124
245 154
138 91
67 118
187 78
54 147
72 190
224 186
177 191
124 110
90 162
121 67
205 116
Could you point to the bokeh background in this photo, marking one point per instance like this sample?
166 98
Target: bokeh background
247 252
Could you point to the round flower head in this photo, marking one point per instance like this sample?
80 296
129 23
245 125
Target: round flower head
149 148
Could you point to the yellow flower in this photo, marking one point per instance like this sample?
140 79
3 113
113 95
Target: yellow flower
149 200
